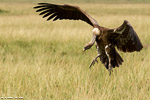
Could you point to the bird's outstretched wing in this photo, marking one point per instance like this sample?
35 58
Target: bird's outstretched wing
64 12
125 38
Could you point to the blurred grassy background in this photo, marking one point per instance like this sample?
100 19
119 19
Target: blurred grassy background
38 61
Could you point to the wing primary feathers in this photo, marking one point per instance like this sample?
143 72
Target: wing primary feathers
41 9
38 7
46 4
52 16
44 12
49 13
55 18
68 12
61 15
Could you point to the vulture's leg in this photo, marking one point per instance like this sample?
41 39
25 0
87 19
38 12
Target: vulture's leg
95 59
90 44
109 52
110 67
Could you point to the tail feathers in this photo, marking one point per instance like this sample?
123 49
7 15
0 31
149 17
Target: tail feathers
117 61
104 60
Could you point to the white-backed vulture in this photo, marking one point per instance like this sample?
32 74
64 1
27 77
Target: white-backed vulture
124 38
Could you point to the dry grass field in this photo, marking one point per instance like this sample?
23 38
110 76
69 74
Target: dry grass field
39 61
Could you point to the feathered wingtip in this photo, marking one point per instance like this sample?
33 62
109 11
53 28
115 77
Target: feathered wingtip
40 5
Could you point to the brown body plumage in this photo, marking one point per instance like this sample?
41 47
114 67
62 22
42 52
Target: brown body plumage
123 37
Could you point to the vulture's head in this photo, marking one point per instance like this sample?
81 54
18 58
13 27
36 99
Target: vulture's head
96 33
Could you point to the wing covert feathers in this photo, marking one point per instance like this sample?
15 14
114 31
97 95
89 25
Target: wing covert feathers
126 38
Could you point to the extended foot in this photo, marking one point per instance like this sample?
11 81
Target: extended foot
94 60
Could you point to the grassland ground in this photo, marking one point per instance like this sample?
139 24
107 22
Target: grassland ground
42 60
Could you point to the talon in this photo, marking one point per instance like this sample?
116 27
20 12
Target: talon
93 62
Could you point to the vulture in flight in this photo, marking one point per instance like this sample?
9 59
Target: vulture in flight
124 38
